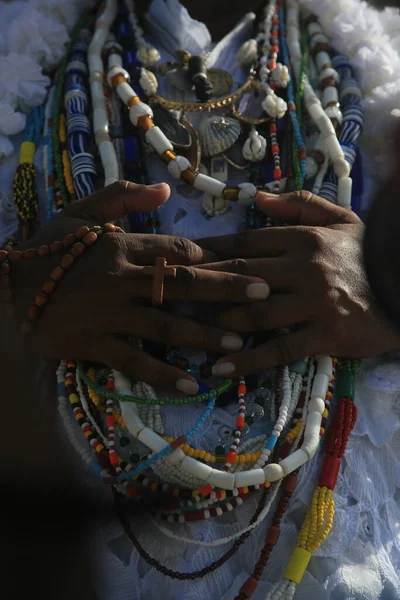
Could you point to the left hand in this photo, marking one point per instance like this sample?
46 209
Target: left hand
317 280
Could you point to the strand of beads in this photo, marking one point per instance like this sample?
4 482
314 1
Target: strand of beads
24 184
100 116
48 151
76 243
76 101
67 171
319 519
314 106
146 54
352 125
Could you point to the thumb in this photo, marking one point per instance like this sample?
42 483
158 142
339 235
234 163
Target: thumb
303 208
117 200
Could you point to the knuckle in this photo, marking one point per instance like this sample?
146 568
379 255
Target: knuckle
240 266
186 277
184 250
314 238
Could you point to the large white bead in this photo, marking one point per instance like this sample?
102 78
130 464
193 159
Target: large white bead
319 38
316 405
100 120
280 75
148 82
330 96
221 479
213 206
152 440
323 60
334 112
314 28
157 139
114 60
131 418
246 478
274 106
117 71
345 186
310 445
109 160
247 194
139 110
325 365
341 167
209 184
195 468
333 148
320 385
125 92
329 72
313 424
294 461
273 472
311 167
176 457
255 147
316 111
148 55
247 53
176 166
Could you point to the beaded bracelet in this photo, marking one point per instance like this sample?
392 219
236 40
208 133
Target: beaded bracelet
122 398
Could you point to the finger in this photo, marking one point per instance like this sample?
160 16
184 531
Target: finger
267 242
143 249
303 208
117 200
202 285
281 273
280 351
280 310
158 326
132 362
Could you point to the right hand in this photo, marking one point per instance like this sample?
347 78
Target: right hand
100 297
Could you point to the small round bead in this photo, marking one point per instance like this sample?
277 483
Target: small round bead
15 255
67 261
57 274
77 249
90 238
81 232
41 300
109 228
5 269
68 240
49 287
56 246
33 312
29 253
43 250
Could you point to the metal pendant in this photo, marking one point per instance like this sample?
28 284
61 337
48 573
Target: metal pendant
193 152
175 130
221 80
217 134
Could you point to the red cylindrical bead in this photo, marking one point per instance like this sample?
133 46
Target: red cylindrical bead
178 442
90 238
110 421
329 472
43 250
109 228
241 388
3 255
15 255
29 253
67 261
240 422
41 300
81 232
249 587
302 153
277 174
68 240
49 287
289 483
57 274
230 458
273 535
205 490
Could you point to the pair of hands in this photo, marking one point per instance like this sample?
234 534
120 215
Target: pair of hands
309 275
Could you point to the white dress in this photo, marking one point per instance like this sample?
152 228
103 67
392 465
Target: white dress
360 560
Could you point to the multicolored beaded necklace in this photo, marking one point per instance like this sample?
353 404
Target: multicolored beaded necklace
120 423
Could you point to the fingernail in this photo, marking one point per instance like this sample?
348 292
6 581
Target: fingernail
231 342
156 186
257 291
187 387
223 369
267 194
